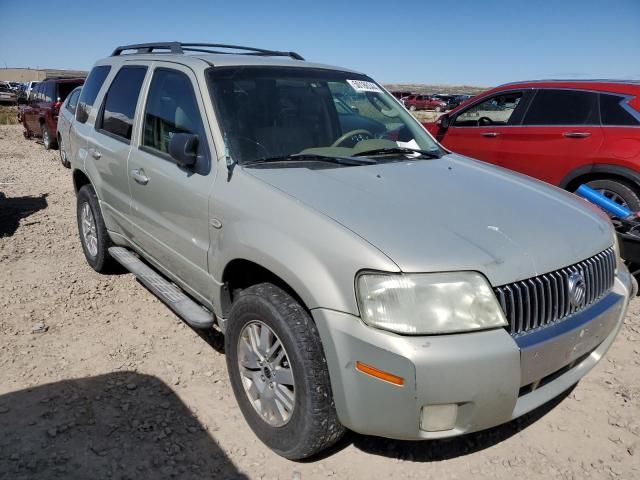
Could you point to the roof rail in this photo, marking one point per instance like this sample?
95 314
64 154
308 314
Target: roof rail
64 77
181 48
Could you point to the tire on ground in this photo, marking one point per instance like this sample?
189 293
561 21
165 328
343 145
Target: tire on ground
625 190
47 141
313 425
63 155
101 261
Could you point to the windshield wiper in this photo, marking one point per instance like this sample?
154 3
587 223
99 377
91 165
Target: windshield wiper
398 150
310 157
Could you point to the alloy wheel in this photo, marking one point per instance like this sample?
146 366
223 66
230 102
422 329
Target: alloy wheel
614 197
266 373
45 137
89 232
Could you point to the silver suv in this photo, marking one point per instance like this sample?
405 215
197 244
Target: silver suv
364 277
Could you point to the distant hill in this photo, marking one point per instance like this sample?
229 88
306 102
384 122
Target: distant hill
431 89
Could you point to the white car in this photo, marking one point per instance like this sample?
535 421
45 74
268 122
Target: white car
65 119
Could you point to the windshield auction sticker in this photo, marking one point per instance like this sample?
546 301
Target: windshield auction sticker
363 86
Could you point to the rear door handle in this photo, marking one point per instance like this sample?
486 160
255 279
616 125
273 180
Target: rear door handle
576 134
95 153
139 176
490 134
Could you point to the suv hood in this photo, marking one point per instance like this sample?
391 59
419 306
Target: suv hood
452 213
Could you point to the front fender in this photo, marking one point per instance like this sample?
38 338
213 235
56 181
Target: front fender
317 257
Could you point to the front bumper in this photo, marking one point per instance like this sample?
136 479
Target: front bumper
491 377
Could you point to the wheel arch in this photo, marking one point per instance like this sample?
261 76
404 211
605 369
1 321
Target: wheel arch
80 179
240 273
600 172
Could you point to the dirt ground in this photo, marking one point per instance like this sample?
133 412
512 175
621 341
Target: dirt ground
100 380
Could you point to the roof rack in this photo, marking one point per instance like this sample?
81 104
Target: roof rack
181 48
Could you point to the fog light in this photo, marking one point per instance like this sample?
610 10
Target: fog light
436 418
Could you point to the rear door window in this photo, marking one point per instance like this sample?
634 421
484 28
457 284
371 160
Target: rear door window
563 107
49 91
90 91
496 110
615 112
119 107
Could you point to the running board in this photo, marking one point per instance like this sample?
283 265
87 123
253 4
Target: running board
183 306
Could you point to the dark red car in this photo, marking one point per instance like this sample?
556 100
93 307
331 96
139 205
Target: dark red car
40 116
425 102
564 132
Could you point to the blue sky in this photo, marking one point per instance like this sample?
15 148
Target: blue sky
472 42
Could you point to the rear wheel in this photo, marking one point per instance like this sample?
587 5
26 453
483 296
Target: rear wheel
620 191
63 153
94 237
279 373
46 137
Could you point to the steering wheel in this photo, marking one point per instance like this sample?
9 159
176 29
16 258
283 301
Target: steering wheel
342 138
485 121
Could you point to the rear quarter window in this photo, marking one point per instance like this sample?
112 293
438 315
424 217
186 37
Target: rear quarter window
563 107
90 91
614 113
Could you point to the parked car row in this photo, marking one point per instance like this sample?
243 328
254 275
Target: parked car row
439 102
41 113
8 94
352 262
15 92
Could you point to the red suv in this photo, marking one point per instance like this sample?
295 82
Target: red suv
563 132
424 102
40 116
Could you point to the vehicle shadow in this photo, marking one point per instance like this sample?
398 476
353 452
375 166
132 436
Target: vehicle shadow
213 337
438 450
14 209
120 425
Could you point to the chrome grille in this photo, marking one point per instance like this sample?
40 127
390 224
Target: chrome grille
545 299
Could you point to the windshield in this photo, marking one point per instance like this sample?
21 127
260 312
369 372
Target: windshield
271 112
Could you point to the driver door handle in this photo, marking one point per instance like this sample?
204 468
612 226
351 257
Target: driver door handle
139 176
576 134
490 134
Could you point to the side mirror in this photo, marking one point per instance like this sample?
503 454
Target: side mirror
183 148
444 121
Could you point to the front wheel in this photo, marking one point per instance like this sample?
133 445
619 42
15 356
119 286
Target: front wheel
279 373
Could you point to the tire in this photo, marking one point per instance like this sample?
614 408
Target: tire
63 154
96 250
46 137
620 191
313 423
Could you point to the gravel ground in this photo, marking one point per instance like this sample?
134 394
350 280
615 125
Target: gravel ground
100 380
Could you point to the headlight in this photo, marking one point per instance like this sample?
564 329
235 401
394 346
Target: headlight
428 303
616 249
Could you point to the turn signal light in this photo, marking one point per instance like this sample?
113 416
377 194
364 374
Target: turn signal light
379 374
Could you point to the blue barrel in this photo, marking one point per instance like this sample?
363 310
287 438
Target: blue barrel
603 202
